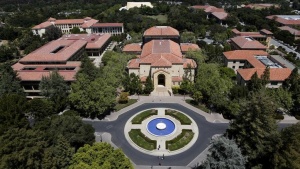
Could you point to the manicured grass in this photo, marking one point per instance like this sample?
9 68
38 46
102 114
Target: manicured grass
142 116
199 106
179 116
160 18
141 140
180 141
121 106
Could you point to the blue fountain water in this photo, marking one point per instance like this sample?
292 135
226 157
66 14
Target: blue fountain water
167 127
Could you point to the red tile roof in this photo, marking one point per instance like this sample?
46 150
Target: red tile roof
94 41
285 19
176 79
133 47
161 31
291 30
188 46
267 32
161 53
84 23
246 55
247 43
40 71
276 74
208 8
220 15
108 25
251 34
45 53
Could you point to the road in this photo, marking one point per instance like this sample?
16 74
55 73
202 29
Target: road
277 44
206 131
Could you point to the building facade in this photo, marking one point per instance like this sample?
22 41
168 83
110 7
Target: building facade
247 62
162 59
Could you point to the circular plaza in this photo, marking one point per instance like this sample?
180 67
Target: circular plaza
161 131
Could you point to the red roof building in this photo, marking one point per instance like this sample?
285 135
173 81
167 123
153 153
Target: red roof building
212 11
246 43
60 55
247 62
161 32
286 20
293 31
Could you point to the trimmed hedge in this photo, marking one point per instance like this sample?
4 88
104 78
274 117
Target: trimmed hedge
181 140
184 120
141 140
142 116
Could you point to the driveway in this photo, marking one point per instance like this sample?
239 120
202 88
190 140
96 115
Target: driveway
277 43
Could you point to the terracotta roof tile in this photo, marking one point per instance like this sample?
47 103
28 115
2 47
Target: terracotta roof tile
45 53
291 30
43 25
276 74
107 25
284 19
220 15
161 31
94 41
247 43
188 46
267 32
133 47
176 79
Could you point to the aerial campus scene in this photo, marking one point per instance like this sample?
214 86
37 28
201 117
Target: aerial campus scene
191 84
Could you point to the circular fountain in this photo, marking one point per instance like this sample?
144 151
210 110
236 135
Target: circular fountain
161 127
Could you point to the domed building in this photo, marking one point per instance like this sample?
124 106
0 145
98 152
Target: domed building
161 57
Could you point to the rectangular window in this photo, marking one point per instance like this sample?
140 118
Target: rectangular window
274 83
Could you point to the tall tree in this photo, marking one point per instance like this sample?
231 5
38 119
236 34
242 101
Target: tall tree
148 85
39 108
224 153
100 155
265 77
12 112
52 33
288 156
255 130
254 83
56 89
9 82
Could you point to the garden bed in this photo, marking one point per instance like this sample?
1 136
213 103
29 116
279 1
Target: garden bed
184 120
180 141
141 140
142 116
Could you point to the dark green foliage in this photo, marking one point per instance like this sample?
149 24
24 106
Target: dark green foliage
12 109
288 155
100 155
148 85
52 33
9 82
88 68
224 153
254 129
56 89
8 52
255 83
71 128
134 84
141 140
39 108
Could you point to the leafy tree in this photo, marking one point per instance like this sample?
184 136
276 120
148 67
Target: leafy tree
75 132
135 84
148 85
255 83
224 153
196 55
88 68
282 97
9 82
265 77
52 33
8 52
100 155
292 84
75 30
92 98
39 108
21 148
55 88
12 115
255 131
288 156
227 72
188 37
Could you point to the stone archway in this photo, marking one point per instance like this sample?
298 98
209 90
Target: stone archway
161 79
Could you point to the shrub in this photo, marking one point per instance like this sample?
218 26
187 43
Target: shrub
141 140
142 116
123 98
181 140
184 120
71 113
175 89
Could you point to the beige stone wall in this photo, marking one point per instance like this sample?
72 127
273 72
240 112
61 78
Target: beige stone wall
168 79
144 70
235 65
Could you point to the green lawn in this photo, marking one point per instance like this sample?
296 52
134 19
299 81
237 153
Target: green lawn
141 140
180 141
160 18
179 116
121 106
199 106
142 116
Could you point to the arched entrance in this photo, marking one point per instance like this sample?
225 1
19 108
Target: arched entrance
161 79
